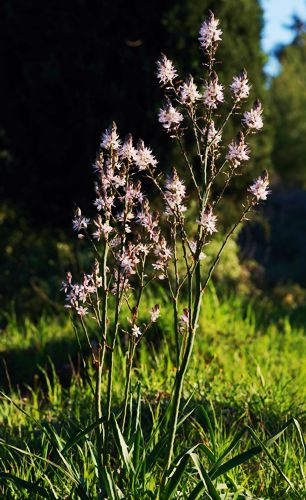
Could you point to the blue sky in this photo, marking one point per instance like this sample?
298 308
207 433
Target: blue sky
277 14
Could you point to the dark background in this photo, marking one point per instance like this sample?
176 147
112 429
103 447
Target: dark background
70 68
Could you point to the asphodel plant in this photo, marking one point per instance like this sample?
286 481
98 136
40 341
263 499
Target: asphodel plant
133 245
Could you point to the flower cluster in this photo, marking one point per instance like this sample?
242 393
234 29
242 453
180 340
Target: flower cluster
127 234
170 117
166 71
253 119
209 33
208 220
213 92
79 296
240 86
238 151
189 91
175 192
260 188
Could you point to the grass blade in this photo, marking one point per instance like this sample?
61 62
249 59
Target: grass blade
121 445
80 434
175 478
31 487
207 483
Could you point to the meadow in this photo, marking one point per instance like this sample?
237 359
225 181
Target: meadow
247 376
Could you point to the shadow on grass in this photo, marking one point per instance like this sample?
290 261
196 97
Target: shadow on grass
20 367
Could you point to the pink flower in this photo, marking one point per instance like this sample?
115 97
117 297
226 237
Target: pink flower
240 86
209 32
238 151
170 117
110 138
79 222
213 92
166 71
260 188
174 194
127 150
144 157
155 313
136 332
208 220
184 319
189 92
253 119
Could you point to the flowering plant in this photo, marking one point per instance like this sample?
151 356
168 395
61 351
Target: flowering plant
134 245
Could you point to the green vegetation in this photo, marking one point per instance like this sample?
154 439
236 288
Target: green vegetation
247 370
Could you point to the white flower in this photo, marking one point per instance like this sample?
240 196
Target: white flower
193 247
174 194
127 150
136 332
104 203
155 313
82 311
144 157
102 230
163 254
240 86
79 222
260 188
213 92
189 91
166 71
208 220
253 119
209 32
237 151
170 117
110 138
184 319
214 137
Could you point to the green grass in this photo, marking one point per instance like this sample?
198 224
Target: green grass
248 371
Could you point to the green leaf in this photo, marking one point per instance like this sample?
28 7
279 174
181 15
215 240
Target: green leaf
80 434
203 420
109 485
121 445
245 456
136 450
156 452
31 487
231 446
300 433
175 478
205 477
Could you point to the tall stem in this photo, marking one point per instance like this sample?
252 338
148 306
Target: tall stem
98 411
128 381
179 382
110 376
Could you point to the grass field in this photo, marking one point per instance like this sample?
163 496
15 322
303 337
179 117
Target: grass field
247 374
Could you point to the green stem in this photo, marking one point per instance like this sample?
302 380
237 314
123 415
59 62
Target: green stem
110 378
98 411
179 382
128 381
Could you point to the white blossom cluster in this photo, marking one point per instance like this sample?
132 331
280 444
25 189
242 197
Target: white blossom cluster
175 192
208 220
209 33
124 223
79 295
124 226
260 188
238 151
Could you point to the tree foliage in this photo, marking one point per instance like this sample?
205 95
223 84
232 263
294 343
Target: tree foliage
288 97
71 67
